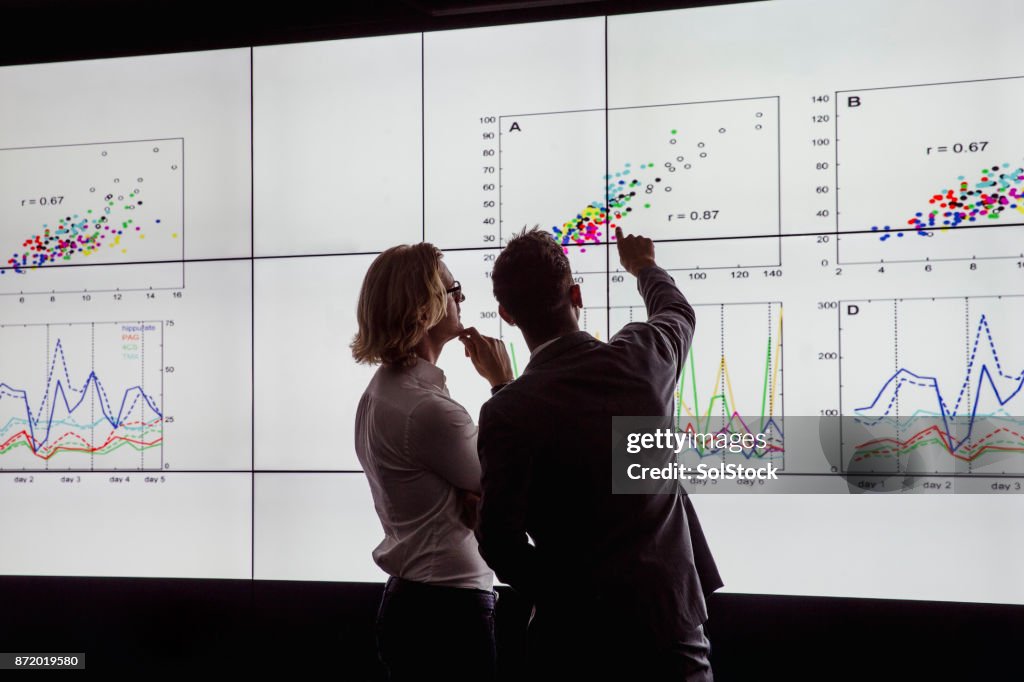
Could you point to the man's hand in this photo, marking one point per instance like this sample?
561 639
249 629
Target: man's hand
488 355
635 252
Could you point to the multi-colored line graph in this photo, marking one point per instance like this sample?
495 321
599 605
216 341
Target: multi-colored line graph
924 420
76 422
715 408
732 380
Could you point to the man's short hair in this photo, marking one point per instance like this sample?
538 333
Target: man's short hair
531 277
402 287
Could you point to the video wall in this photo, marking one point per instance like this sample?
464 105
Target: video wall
836 187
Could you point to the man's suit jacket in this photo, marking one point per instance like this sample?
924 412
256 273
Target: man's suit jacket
545 449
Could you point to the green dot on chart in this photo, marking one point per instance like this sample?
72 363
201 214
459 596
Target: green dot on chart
674 131
647 205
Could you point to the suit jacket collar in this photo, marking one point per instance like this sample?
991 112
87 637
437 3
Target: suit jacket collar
563 345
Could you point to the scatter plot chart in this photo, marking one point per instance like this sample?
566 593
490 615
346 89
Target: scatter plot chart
64 207
732 380
915 187
89 397
933 386
697 171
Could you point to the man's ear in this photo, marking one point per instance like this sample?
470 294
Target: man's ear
576 296
505 316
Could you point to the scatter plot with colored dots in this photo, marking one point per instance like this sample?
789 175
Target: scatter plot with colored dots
678 171
995 196
947 187
111 203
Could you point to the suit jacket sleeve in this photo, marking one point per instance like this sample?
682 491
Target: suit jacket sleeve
506 459
669 314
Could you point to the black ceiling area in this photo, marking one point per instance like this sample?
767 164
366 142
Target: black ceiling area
58 30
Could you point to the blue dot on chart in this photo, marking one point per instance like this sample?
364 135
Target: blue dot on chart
899 234
158 221
874 227
918 214
622 182
886 228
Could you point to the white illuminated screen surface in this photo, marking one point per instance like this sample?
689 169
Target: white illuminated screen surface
176 392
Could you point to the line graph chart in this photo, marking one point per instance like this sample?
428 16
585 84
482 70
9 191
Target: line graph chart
928 402
732 380
97 403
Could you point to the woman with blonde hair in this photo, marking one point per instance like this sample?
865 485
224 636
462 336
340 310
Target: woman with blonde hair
418 449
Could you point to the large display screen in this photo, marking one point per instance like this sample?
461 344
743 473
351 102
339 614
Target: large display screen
836 187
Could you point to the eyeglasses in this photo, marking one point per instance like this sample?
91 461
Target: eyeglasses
456 289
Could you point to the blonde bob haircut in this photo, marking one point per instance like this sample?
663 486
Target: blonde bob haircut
402 290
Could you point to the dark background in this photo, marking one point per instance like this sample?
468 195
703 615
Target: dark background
183 626
249 627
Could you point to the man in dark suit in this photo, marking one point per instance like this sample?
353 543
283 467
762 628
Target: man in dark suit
618 581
